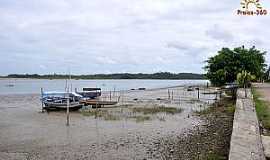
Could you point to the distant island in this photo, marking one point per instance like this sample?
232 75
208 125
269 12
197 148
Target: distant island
159 75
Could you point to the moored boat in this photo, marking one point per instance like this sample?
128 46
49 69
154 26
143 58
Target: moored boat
89 93
58 100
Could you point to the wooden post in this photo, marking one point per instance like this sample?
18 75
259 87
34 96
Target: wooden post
68 109
169 94
70 87
114 92
198 93
172 95
123 97
42 104
110 95
245 90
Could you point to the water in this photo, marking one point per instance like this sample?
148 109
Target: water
32 86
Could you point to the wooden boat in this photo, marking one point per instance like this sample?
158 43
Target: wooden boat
58 100
89 93
97 103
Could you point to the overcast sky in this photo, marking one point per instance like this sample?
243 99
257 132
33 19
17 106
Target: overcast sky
109 36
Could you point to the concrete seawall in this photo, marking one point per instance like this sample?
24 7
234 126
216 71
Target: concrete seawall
246 141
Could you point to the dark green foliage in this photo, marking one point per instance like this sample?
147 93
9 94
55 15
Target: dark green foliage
160 75
224 67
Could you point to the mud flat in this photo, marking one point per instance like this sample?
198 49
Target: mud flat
153 126
208 140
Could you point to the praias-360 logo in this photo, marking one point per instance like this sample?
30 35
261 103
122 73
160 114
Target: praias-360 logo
251 8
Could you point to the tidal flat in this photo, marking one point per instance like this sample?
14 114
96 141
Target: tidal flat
133 129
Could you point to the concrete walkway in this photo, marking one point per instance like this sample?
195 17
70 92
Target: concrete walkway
246 140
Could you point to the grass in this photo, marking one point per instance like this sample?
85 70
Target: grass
107 116
212 156
144 113
157 109
230 108
262 109
227 103
141 118
100 113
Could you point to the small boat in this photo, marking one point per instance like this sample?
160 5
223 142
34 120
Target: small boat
89 93
58 100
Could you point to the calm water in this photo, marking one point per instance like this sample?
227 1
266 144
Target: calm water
23 86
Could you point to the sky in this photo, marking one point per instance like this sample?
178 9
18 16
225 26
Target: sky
115 36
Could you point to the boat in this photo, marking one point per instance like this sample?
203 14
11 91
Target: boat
89 93
58 100
91 96
97 103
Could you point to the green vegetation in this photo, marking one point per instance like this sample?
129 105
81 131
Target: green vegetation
160 75
228 106
224 67
262 109
141 118
213 156
157 109
100 113
244 78
140 114
107 116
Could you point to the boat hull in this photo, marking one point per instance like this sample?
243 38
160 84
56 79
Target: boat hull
53 105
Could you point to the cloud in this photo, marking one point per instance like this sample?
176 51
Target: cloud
218 33
121 35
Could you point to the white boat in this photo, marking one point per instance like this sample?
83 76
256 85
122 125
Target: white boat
58 100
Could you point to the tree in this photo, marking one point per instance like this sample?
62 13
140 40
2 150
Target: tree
243 79
224 67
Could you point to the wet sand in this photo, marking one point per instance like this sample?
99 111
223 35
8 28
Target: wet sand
26 133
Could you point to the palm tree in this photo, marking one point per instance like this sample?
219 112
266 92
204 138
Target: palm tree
243 79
